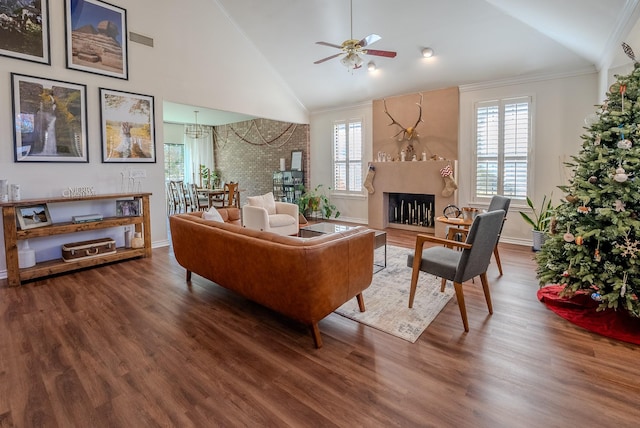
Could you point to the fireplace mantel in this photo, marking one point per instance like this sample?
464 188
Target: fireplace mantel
422 177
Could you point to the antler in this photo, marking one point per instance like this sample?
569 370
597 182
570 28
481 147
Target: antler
407 133
393 121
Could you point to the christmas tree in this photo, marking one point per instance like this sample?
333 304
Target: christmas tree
593 244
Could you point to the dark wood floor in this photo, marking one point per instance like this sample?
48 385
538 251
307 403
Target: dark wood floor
131 345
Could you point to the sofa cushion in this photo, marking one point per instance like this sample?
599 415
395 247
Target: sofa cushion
212 214
265 201
280 220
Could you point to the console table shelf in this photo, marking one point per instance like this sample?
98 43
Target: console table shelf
12 234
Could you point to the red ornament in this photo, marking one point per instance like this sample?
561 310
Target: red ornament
565 273
623 89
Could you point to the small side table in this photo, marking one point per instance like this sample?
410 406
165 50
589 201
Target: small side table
380 241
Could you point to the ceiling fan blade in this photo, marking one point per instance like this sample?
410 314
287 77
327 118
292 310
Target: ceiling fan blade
369 40
327 58
329 44
388 54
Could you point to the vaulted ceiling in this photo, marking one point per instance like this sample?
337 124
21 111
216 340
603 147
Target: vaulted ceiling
474 41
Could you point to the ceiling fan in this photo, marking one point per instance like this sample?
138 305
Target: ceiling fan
352 48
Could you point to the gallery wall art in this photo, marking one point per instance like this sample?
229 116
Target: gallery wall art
24 30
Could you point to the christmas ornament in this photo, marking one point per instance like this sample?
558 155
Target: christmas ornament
568 237
571 199
625 144
579 240
629 248
596 296
619 205
597 141
623 289
566 274
593 179
584 209
620 176
596 254
627 50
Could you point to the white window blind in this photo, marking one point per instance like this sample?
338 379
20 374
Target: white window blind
347 156
503 141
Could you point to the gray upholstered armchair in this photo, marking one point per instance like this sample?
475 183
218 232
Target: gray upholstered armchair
459 266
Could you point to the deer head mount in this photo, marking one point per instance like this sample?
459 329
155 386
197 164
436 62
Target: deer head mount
407 133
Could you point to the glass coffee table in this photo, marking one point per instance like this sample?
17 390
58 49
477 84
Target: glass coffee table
325 228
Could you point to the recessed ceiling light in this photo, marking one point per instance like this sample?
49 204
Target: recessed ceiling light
427 52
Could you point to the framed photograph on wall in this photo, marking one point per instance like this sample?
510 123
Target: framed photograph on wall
96 36
50 120
296 160
33 216
24 30
127 207
127 125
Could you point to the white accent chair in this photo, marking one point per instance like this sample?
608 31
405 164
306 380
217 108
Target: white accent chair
264 213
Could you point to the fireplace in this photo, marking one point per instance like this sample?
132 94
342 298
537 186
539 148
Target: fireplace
416 179
412 209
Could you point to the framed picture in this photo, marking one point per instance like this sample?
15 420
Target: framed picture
96 35
127 207
24 30
296 160
128 127
50 120
33 216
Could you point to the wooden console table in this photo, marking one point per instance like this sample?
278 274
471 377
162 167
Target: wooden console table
12 234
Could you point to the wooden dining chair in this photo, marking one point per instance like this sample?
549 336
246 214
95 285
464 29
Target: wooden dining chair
231 195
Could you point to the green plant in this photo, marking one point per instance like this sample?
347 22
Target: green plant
539 219
317 200
208 175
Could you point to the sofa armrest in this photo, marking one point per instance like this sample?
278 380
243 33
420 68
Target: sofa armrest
287 208
255 218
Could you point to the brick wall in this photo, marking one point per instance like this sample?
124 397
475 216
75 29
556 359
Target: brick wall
249 152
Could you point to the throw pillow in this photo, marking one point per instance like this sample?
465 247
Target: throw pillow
265 201
212 214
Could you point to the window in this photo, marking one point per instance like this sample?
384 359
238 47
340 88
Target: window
173 162
347 156
503 143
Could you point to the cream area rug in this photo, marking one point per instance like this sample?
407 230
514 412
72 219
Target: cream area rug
387 298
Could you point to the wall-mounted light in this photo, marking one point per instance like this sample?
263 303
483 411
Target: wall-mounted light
371 66
427 52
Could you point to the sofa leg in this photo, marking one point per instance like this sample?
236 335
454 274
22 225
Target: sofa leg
315 332
360 302
188 276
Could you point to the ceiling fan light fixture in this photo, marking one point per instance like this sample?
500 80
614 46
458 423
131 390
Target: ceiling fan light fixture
196 131
371 66
351 61
427 52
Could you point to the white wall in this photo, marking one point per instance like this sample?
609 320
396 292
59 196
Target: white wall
560 107
198 58
352 208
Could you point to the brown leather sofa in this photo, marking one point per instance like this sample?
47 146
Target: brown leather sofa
302 278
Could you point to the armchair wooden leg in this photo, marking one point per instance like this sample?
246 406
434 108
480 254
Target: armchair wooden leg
414 283
461 305
487 293
496 254
315 332
443 284
188 275
360 300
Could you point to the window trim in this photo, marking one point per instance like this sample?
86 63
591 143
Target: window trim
530 99
347 192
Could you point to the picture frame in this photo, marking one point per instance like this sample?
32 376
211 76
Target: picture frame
128 208
32 216
25 35
50 120
96 38
127 127
296 160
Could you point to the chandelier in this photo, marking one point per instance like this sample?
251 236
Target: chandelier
196 131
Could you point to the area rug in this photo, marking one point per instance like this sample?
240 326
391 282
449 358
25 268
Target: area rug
387 298
580 309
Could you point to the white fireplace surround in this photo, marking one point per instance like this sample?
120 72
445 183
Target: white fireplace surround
419 177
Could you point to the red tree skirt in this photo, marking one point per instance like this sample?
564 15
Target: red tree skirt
581 310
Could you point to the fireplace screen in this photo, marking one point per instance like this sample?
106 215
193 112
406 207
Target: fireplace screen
412 209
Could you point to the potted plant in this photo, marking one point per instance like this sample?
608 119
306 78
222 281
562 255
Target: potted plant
316 200
539 220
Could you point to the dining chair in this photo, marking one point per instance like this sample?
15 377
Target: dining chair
231 195
447 263
499 202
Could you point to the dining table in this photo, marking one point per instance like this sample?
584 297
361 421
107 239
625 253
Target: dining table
213 194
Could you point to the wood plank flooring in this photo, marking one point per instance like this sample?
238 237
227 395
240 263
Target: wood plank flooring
132 345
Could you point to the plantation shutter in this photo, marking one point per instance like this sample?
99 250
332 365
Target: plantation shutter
487 144
355 157
340 156
347 156
516 149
